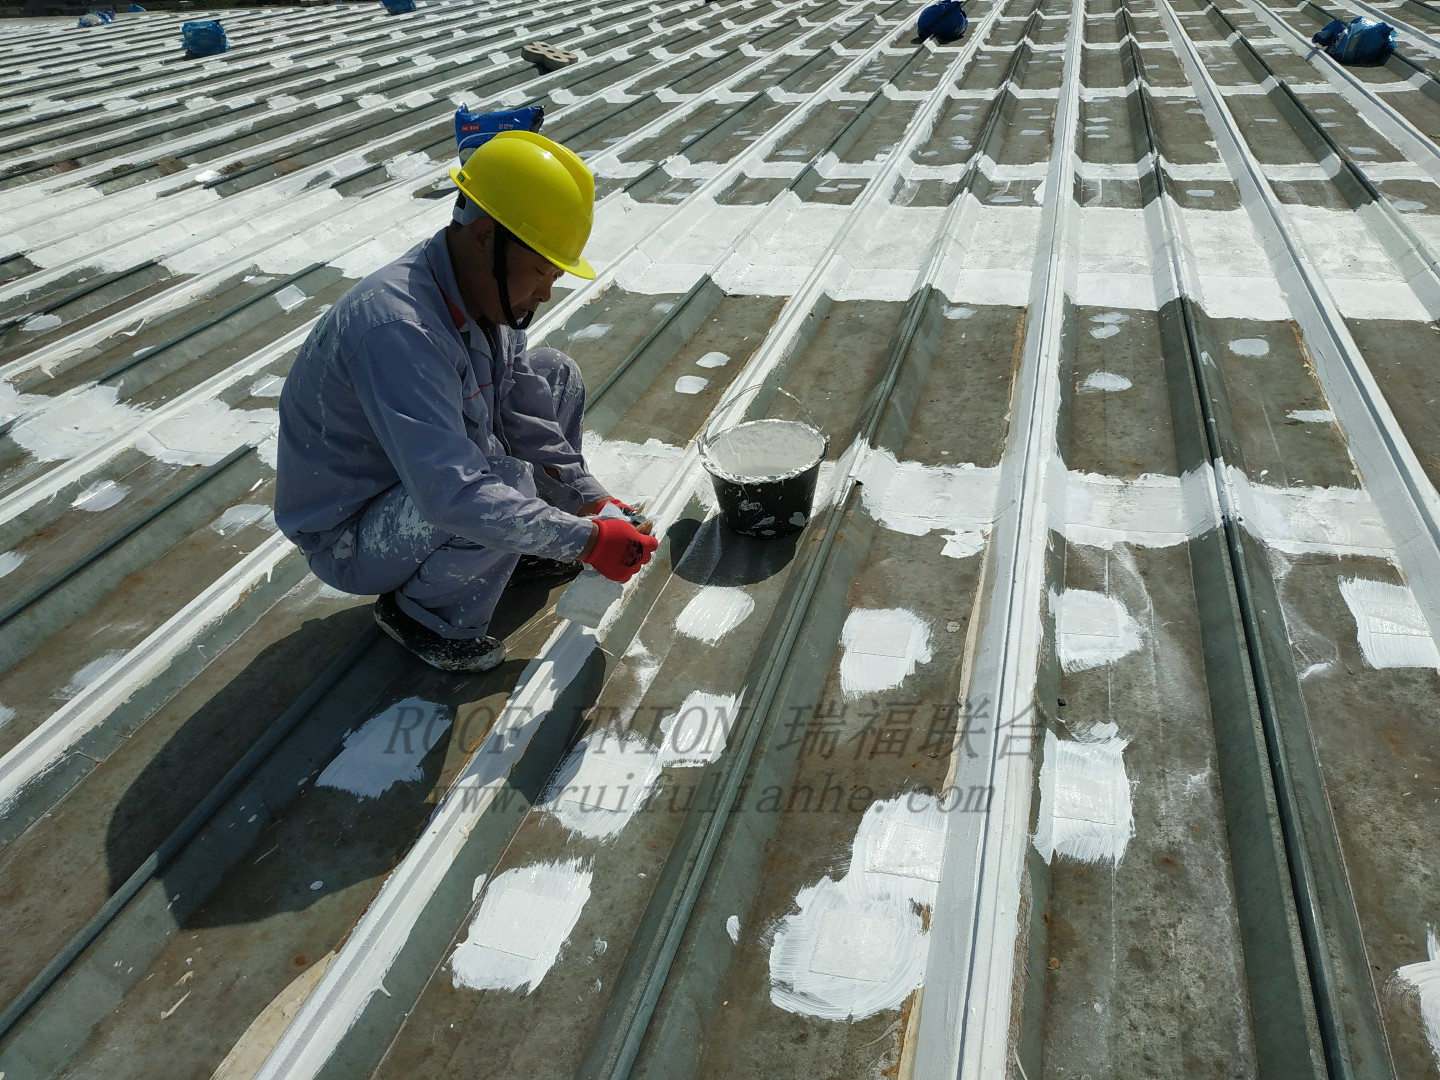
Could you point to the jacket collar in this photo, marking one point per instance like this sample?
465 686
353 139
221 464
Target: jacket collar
437 252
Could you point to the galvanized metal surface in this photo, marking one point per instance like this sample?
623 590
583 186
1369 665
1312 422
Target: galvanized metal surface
1115 310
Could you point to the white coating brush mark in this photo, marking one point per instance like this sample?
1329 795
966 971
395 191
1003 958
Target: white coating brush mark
525 918
602 784
267 386
10 562
1391 627
241 516
881 649
591 332
713 612
857 945
7 714
92 672
696 734
387 749
101 495
1424 977
1091 629
1108 324
1085 806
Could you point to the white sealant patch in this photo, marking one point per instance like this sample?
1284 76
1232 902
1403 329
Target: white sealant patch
7 714
387 749
525 917
1250 347
1391 627
1424 977
207 431
963 544
916 499
713 360
1091 629
732 924
857 946
290 297
713 612
690 384
1085 809
242 515
69 425
10 562
602 784
1105 381
696 734
39 323
882 647
1312 416
637 470
101 495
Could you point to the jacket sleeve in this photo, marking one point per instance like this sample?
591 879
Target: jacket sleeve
527 414
411 394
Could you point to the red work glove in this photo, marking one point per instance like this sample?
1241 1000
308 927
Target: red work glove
620 549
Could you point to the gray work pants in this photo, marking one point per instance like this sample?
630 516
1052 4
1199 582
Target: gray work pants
445 582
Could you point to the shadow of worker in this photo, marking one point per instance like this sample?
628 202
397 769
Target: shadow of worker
309 772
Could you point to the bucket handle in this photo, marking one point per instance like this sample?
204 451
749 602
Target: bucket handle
706 439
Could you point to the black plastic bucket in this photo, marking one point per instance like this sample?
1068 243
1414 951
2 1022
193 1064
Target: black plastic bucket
764 473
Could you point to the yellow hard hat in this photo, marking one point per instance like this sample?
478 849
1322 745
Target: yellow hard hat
539 190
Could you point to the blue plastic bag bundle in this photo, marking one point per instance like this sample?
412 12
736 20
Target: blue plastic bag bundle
945 21
204 38
398 7
473 129
1357 41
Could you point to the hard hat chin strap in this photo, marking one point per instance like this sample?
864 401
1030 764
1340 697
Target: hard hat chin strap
502 281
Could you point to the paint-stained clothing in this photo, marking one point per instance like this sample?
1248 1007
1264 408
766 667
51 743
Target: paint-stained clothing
410 444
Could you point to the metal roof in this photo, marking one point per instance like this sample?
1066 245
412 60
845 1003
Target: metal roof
1088 728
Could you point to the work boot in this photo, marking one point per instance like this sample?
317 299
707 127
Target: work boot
537 568
447 654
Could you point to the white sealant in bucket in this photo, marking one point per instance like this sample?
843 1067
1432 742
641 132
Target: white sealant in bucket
764 472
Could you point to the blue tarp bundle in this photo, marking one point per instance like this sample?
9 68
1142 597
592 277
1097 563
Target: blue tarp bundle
472 129
204 38
1357 41
398 7
97 18
944 21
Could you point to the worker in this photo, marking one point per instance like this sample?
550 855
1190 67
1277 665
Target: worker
425 453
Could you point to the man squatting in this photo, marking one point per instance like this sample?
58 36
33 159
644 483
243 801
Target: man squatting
425 454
